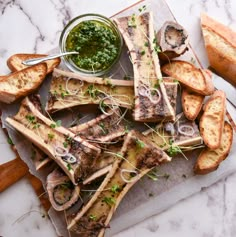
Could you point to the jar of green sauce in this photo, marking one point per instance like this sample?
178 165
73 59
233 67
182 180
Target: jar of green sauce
96 39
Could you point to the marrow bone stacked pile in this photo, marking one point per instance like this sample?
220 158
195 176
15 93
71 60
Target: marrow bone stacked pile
105 149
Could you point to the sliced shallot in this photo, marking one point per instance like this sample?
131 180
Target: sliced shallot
186 133
134 172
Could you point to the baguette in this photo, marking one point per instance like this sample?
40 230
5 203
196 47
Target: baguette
21 83
220 43
212 120
191 104
195 79
15 62
209 160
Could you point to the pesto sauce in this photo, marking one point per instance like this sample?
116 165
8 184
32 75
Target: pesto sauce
98 45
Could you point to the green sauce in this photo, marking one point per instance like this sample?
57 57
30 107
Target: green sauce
98 45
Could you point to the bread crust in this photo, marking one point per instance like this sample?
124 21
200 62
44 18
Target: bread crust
212 119
195 79
209 160
220 43
22 83
14 62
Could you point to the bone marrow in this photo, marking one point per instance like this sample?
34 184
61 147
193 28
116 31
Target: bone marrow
136 158
151 101
173 40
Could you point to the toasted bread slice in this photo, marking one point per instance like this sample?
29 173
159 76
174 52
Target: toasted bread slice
191 104
220 43
15 61
193 78
21 83
212 120
209 160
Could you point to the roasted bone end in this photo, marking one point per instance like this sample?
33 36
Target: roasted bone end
173 40
61 191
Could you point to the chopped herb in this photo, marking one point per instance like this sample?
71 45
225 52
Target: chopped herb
132 21
62 95
109 200
146 44
37 125
10 142
92 91
30 118
57 124
115 188
69 167
157 49
152 175
53 125
174 150
65 144
143 52
140 144
51 136
103 128
92 217
143 8
126 129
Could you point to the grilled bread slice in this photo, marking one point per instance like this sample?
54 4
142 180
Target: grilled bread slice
195 79
220 43
191 104
209 160
15 61
21 83
212 119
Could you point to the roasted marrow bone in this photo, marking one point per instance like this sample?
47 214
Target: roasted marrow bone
173 40
62 192
137 157
39 158
73 154
182 134
151 101
68 90
103 128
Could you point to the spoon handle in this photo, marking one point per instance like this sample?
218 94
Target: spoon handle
31 62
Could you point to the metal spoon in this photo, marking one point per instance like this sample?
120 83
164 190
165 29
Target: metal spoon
33 61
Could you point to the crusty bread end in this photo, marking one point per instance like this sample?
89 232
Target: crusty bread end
220 43
209 160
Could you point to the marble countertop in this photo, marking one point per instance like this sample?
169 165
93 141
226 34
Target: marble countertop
35 26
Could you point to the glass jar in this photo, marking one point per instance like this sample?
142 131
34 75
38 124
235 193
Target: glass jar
98 41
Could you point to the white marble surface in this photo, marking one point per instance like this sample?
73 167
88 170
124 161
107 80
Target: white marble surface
35 26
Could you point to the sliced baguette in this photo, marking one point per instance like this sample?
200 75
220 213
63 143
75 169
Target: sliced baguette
193 78
209 160
212 119
191 104
220 43
15 61
21 83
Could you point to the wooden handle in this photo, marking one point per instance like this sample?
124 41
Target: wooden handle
11 172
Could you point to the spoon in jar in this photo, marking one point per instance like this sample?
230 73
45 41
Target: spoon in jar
33 61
